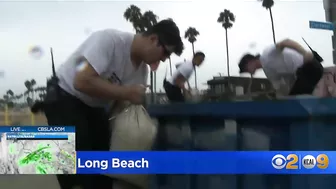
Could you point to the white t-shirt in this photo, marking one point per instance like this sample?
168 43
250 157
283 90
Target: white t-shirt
108 52
280 67
185 69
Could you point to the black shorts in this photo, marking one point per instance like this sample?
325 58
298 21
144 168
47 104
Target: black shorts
307 77
174 93
92 134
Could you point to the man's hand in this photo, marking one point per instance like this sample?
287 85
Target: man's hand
186 93
135 93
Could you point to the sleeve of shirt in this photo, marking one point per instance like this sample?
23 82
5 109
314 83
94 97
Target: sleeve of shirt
98 50
272 50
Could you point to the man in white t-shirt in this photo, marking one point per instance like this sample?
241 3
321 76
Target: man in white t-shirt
290 68
175 85
110 65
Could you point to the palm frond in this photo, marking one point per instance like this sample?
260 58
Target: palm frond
226 18
267 3
191 33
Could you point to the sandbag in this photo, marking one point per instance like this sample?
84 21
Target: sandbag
195 96
133 130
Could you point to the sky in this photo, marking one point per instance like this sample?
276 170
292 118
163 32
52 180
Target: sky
64 25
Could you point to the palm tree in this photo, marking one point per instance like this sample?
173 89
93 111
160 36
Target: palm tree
11 96
10 93
141 22
18 97
2 102
191 34
42 91
8 100
30 88
268 4
149 19
226 18
133 14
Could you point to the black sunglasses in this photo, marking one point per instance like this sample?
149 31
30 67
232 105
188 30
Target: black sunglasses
166 52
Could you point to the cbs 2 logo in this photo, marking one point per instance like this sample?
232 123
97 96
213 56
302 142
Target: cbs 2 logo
291 161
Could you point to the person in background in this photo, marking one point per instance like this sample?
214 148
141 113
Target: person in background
109 66
174 86
288 66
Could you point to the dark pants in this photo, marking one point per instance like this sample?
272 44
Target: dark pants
174 93
307 77
92 134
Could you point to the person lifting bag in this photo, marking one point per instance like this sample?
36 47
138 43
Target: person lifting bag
133 130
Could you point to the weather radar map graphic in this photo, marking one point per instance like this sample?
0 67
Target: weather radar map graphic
37 152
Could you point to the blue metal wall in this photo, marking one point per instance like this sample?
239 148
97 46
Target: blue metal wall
268 125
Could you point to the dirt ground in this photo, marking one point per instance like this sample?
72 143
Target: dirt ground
28 182
23 117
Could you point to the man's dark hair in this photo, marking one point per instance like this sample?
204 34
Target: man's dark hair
199 53
245 60
168 33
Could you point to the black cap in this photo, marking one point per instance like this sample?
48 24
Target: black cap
169 33
245 60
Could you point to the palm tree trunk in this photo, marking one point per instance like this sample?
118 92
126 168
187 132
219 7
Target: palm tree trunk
227 59
193 49
271 15
152 87
33 95
170 67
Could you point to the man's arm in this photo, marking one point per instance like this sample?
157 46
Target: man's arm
287 43
95 60
180 82
89 82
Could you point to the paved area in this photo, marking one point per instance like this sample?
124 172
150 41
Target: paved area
28 182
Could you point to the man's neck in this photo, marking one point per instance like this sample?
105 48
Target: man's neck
258 65
135 51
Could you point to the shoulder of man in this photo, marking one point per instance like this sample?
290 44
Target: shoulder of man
268 54
270 49
118 36
184 65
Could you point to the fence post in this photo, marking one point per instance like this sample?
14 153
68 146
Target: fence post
32 118
6 115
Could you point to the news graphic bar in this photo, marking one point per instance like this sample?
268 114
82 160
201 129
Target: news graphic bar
36 137
36 129
266 162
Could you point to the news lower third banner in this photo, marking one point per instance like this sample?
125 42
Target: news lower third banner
264 162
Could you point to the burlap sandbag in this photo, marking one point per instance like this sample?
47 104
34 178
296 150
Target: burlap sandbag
133 130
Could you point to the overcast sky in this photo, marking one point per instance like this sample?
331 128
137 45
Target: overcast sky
64 25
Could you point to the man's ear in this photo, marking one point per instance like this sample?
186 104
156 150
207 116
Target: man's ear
153 38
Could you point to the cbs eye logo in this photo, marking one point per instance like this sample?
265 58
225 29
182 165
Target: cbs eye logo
292 161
